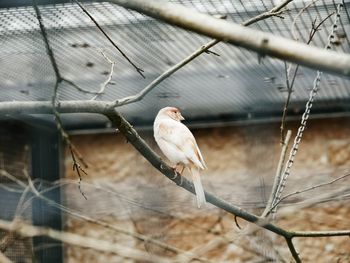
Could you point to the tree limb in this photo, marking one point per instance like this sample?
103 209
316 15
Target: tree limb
260 42
27 230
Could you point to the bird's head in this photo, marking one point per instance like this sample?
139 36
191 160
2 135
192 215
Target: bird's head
171 112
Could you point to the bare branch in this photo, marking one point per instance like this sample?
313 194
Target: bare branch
54 100
76 214
277 10
263 43
45 107
290 85
50 54
306 113
170 71
292 249
23 229
309 189
109 78
203 49
77 168
296 38
278 174
139 70
336 233
286 104
46 41
163 76
71 83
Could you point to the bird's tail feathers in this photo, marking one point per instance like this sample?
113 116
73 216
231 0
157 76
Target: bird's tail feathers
198 187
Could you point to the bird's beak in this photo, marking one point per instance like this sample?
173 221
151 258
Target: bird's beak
181 118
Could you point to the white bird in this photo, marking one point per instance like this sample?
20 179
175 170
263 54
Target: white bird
179 145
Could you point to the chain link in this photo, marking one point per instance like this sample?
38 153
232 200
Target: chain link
305 116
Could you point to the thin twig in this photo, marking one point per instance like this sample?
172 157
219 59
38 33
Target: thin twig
46 42
74 85
286 104
77 168
26 230
308 189
203 49
292 28
290 84
278 174
109 78
59 79
139 70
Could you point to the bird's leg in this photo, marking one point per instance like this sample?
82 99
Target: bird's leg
174 167
182 167
177 170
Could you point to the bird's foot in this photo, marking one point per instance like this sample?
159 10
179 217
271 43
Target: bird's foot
181 180
175 172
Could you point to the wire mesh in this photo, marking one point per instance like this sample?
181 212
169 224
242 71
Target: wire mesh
234 83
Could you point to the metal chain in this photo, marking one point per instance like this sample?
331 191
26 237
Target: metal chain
305 116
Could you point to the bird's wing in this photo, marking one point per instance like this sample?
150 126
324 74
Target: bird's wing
179 135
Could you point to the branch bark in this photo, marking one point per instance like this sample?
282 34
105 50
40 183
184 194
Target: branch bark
260 42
